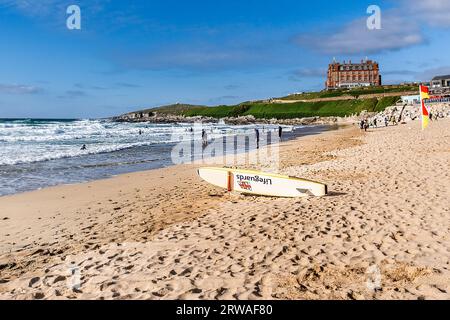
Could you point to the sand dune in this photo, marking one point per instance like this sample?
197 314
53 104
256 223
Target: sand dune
382 233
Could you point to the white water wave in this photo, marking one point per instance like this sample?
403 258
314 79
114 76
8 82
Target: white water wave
28 141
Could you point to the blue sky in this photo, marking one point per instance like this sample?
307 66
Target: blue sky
134 54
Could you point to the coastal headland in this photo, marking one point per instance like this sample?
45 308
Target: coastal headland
326 107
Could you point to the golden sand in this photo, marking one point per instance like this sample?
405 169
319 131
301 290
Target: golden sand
382 233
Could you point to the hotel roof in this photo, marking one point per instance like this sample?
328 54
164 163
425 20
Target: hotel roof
442 77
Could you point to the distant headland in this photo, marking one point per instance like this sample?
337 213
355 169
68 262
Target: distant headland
297 108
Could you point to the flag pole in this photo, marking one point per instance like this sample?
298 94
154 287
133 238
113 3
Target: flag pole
423 109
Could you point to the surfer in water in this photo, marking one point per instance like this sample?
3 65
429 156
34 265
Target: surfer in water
83 147
204 138
257 137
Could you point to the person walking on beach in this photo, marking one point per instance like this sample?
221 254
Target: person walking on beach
394 121
375 123
366 125
280 133
386 121
257 138
361 125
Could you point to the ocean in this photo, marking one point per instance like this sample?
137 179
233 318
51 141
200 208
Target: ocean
40 153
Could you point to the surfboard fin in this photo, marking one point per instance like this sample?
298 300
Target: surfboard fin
305 191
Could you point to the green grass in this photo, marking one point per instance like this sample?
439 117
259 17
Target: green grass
385 102
218 112
173 109
311 109
351 92
260 110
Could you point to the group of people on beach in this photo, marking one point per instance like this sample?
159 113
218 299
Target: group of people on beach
205 136
280 135
257 135
365 124
436 116
395 115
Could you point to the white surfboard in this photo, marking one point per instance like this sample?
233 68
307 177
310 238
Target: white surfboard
260 183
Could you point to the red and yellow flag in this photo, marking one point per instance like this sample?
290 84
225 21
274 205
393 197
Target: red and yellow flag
425 116
424 93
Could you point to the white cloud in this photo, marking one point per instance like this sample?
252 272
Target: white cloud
52 10
19 89
428 74
32 8
402 27
193 56
310 72
432 12
355 38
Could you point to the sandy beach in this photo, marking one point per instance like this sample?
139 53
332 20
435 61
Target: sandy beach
382 233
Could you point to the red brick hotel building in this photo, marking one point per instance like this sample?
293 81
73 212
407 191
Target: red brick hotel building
352 75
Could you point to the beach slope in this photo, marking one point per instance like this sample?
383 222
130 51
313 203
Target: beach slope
382 233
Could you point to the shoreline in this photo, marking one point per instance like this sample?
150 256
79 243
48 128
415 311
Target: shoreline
184 239
94 166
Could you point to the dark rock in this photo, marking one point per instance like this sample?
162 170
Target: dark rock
39 296
33 281
59 279
186 271
7 266
196 290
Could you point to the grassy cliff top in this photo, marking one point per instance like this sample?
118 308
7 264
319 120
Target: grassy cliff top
175 109
357 92
260 110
